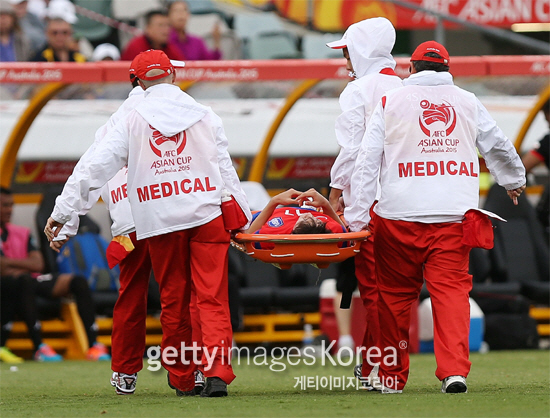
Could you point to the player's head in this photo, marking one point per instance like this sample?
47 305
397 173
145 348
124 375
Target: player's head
430 56
6 205
154 67
309 224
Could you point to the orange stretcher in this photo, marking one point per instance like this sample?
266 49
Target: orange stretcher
317 249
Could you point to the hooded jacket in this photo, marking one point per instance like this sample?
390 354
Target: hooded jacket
421 141
178 164
120 212
369 44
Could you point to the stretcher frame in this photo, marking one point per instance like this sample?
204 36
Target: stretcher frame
319 250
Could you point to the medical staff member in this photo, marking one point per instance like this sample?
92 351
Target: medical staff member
132 256
178 164
421 142
367 47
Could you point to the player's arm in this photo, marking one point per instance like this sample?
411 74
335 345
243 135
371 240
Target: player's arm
284 198
313 198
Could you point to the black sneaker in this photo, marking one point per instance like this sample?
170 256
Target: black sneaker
180 392
215 388
199 382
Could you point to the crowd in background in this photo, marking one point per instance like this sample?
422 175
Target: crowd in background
42 31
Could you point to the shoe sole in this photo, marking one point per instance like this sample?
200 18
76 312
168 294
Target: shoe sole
456 387
215 391
215 394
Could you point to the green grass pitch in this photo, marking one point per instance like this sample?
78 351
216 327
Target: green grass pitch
501 384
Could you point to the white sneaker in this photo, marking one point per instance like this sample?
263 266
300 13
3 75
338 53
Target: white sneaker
454 384
371 382
125 384
386 390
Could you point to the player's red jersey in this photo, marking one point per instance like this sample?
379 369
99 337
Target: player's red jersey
283 219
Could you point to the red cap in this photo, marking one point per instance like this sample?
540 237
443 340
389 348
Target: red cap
153 59
431 46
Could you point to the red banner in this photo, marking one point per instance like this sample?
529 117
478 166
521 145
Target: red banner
337 15
44 171
500 13
258 70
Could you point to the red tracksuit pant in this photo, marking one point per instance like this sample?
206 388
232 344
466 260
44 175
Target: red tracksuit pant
406 253
130 312
366 282
194 257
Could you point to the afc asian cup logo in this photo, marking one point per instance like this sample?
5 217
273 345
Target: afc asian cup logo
158 141
437 113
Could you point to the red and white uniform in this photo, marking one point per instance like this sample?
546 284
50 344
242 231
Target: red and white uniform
130 311
177 158
422 141
369 44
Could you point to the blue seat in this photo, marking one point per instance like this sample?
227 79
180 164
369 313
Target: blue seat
89 28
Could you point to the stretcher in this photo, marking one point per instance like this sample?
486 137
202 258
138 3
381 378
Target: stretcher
317 249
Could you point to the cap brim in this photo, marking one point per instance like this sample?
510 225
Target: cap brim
177 64
342 43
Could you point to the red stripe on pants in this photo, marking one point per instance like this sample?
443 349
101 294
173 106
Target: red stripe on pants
195 256
130 311
407 252
366 282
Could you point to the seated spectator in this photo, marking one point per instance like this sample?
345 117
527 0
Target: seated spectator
20 262
294 218
31 25
192 47
59 43
106 52
14 45
157 34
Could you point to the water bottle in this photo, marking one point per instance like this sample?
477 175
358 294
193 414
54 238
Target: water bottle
307 340
233 216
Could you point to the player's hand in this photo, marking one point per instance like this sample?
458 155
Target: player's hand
515 193
56 245
313 198
287 198
52 229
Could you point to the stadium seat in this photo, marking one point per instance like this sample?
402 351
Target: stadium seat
248 26
277 45
203 24
520 254
197 7
92 29
314 46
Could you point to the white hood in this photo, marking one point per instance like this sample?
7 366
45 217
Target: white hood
170 110
370 43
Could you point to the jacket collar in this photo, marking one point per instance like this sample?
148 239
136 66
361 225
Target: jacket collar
429 78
